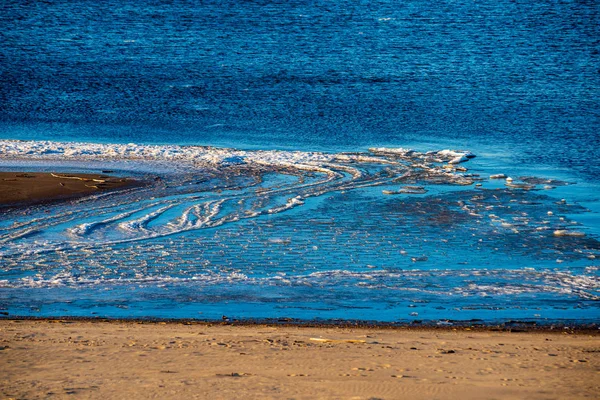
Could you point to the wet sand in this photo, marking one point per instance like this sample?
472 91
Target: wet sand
100 360
27 188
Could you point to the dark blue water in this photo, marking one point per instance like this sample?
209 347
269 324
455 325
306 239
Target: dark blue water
297 74
516 82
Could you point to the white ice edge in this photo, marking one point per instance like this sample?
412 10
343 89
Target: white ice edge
81 151
518 281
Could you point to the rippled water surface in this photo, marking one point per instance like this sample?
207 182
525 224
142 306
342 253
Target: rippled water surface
312 205
388 234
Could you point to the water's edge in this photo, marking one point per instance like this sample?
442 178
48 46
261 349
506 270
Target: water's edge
516 326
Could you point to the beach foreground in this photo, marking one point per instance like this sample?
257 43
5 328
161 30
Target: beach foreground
57 359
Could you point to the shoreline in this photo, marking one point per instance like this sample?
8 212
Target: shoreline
95 359
447 326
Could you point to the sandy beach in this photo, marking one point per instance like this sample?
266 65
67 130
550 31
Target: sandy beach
27 188
110 360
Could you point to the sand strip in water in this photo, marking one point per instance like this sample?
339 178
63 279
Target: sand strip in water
27 188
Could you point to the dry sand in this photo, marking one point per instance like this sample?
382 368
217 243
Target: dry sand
131 360
26 188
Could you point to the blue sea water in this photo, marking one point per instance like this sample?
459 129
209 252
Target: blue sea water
515 82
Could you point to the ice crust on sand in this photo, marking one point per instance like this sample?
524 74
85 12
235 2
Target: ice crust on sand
209 186
206 187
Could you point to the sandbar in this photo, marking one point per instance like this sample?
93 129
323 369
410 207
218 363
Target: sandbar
28 188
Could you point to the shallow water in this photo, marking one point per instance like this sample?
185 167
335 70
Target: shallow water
384 235
308 231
